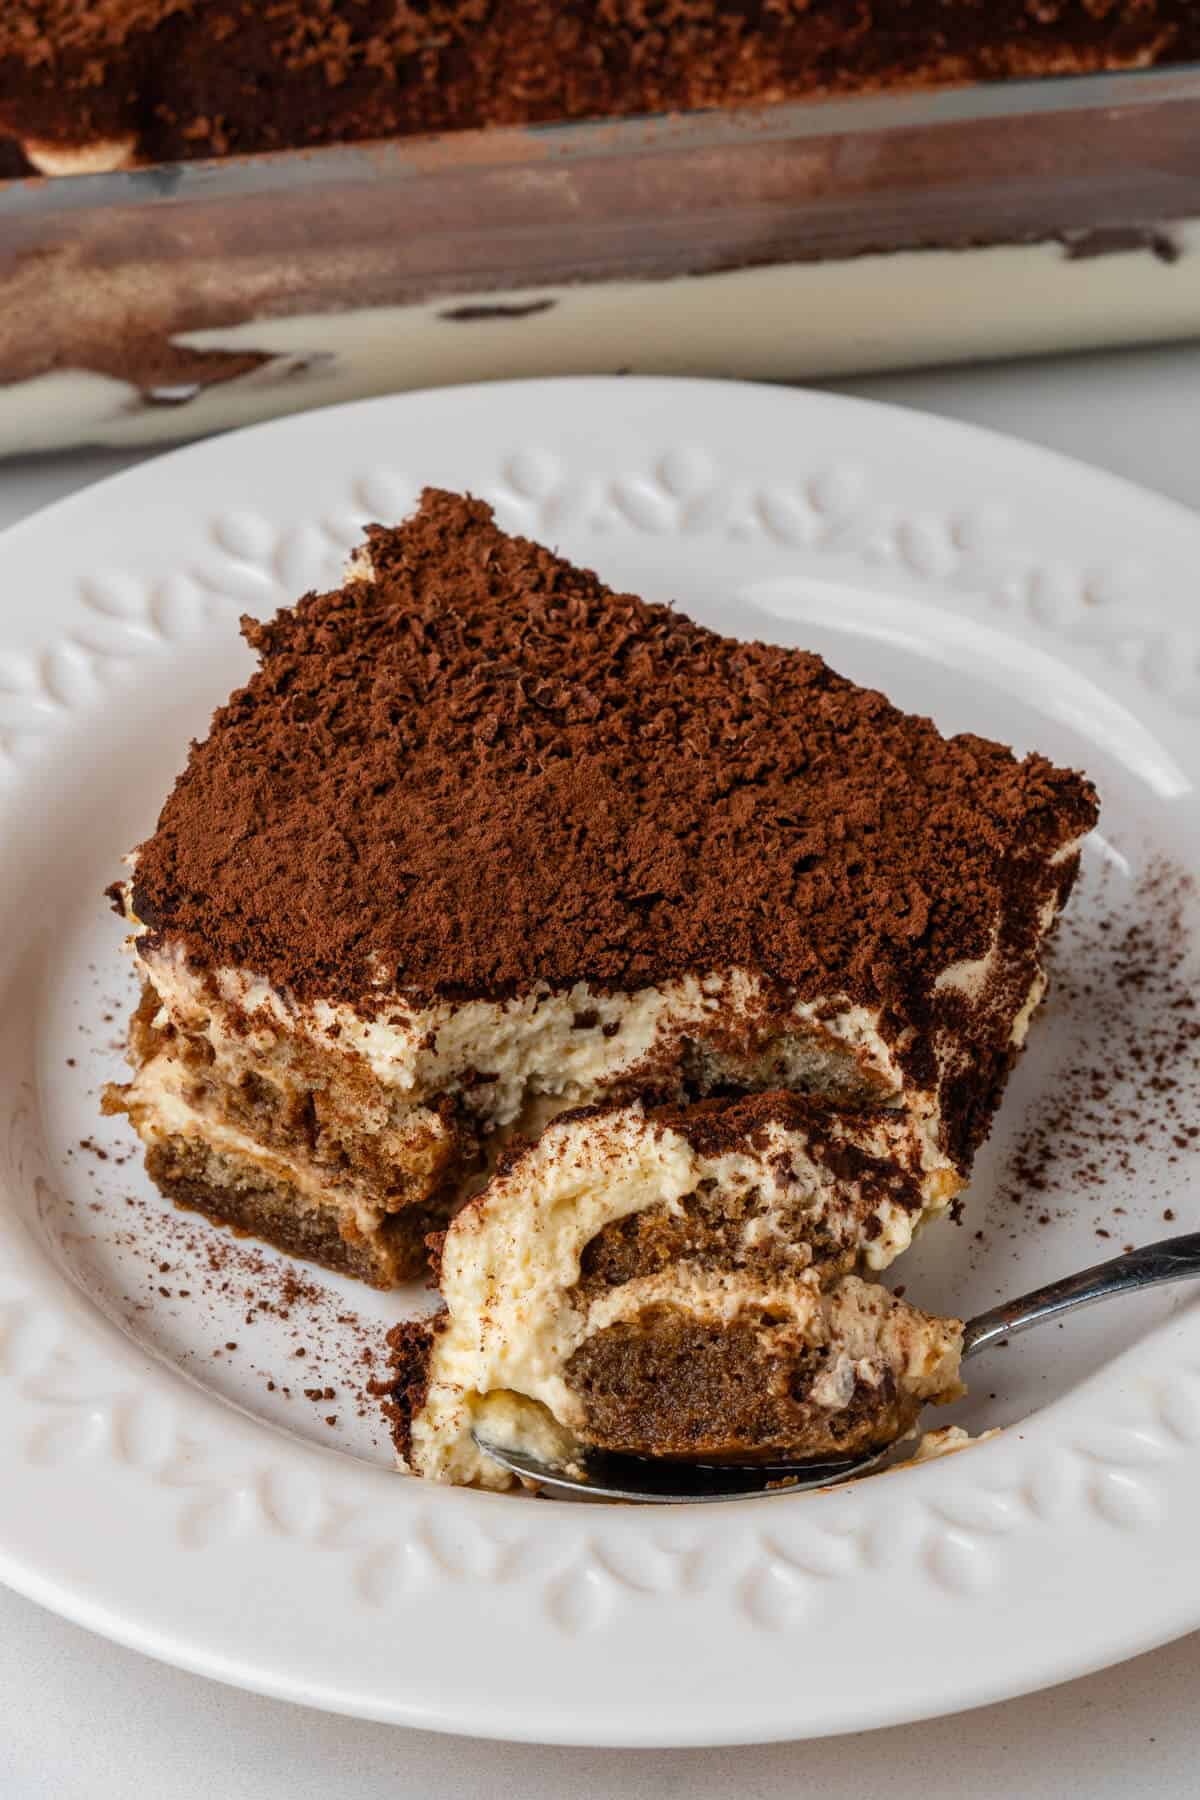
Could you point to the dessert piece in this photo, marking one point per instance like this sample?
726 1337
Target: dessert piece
683 1283
481 835
128 81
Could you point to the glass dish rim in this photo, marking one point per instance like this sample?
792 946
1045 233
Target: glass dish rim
559 143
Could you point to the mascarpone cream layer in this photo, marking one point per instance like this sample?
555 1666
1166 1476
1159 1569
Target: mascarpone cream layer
500 1053
943 305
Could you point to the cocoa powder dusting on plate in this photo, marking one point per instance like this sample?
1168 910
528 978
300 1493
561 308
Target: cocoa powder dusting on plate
1123 1109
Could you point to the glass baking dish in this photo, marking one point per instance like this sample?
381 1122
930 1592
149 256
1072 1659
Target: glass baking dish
795 240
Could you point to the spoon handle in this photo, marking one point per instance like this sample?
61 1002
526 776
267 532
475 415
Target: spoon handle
1174 1259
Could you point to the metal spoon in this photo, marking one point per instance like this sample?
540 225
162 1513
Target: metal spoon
606 1476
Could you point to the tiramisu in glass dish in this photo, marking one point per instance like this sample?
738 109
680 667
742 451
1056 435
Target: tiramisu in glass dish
259 208
482 841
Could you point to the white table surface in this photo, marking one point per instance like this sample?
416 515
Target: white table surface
83 1720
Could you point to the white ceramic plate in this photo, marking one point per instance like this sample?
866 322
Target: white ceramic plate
166 1479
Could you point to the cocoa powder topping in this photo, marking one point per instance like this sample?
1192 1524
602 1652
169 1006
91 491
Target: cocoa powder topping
483 770
185 78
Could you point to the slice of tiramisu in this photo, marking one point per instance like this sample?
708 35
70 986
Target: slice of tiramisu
481 836
681 1283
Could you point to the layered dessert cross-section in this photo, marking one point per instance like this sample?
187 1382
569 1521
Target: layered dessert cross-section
689 1283
482 838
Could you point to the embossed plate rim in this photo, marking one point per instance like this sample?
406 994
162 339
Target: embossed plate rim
186 1530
